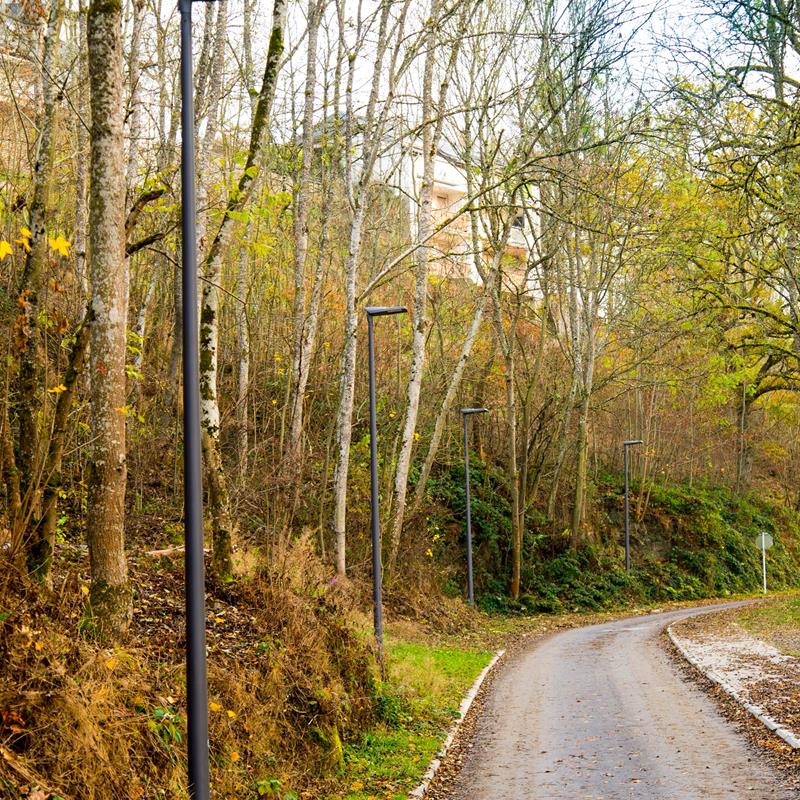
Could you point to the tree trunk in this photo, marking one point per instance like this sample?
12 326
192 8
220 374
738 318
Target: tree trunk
134 103
450 395
218 494
346 394
357 197
430 137
42 543
109 609
581 460
31 355
11 476
744 456
81 122
243 377
302 197
587 384
139 334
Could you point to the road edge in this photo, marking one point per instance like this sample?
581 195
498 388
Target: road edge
469 698
755 710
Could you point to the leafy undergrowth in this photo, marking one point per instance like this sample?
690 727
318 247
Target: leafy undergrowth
688 543
775 621
417 705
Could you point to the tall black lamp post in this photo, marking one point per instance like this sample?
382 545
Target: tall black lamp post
625 445
196 678
377 565
466 413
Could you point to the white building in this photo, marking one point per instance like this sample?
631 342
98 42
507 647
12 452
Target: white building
453 240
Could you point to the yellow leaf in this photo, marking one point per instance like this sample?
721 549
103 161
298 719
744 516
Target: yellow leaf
110 663
231 714
25 243
234 756
57 389
60 245
39 646
85 591
214 707
26 233
5 249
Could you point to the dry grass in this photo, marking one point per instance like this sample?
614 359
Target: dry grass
288 678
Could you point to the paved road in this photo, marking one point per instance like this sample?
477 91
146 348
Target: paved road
600 713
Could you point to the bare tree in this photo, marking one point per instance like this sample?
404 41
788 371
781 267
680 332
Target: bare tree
305 324
434 113
369 131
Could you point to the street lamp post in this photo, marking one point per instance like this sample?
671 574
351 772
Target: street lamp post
625 445
466 413
196 677
377 565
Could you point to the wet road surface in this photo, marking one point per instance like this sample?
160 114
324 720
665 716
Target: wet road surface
601 713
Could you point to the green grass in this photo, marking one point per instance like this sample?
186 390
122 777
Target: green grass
776 622
417 705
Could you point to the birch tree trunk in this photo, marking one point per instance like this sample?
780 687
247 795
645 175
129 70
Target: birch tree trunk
110 599
430 141
140 333
346 394
449 397
134 94
218 494
301 356
356 192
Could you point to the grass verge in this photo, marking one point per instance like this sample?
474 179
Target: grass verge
417 705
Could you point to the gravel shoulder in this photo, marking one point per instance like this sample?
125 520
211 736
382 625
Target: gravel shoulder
758 671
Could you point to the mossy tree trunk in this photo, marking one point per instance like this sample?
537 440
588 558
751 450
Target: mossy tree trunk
43 536
31 407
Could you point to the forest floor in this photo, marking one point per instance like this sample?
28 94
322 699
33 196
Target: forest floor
756 651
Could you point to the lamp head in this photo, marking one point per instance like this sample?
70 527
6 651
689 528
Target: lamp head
629 442
383 311
474 410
